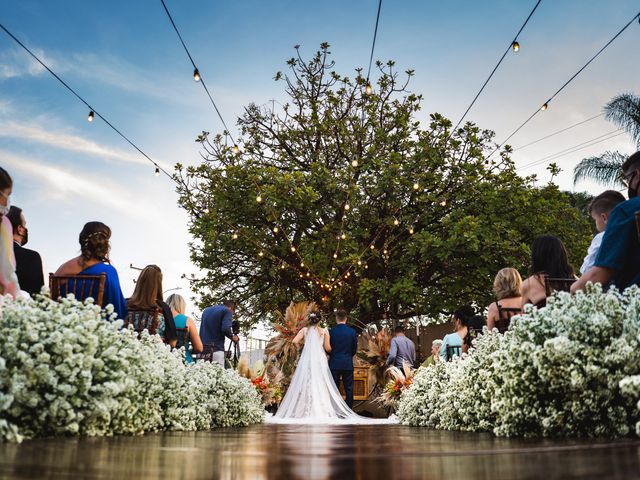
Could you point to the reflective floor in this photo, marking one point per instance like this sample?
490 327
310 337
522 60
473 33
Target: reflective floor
288 452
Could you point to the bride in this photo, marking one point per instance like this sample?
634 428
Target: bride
312 396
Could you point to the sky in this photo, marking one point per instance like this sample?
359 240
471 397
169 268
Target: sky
126 60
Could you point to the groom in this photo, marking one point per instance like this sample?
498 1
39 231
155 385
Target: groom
344 344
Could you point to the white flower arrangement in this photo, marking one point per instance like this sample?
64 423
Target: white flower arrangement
66 369
571 369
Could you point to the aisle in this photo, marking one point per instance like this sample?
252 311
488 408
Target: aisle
288 451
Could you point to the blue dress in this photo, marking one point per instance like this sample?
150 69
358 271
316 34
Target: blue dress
112 291
451 340
181 322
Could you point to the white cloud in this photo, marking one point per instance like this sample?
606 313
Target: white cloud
76 186
15 62
67 141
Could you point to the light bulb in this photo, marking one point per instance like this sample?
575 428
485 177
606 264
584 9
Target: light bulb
302 264
384 252
443 203
343 236
206 210
259 199
354 163
515 46
275 229
293 249
282 267
335 255
91 116
545 106
411 231
308 274
359 262
196 75
347 207
234 236
372 247
366 266
396 222
416 186
368 90
260 254
301 275
157 172
235 149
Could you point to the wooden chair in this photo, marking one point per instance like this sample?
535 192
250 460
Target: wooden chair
557 284
183 337
504 317
82 286
453 351
143 320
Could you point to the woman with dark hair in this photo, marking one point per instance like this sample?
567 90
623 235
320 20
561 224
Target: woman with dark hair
8 278
94 260
146 308
548 258
457 340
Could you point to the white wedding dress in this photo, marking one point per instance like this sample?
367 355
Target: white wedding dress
312 397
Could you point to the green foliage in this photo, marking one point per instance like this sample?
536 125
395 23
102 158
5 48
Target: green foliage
447 218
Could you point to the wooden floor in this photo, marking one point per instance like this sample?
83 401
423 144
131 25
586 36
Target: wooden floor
288 452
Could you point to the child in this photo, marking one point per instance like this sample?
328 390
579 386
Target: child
599 209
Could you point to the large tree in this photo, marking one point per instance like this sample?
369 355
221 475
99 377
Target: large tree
342 196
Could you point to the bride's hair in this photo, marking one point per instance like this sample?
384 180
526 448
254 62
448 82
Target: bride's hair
314 318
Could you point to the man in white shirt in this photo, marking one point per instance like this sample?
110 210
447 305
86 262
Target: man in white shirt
599 209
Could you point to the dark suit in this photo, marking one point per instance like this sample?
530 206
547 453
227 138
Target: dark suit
344 345
28 269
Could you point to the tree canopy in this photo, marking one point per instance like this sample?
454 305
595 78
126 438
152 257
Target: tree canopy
347 198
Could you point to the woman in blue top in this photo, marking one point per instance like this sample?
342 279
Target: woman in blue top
457 339
178 307
94 260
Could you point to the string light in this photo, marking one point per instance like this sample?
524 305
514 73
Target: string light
157 171
396 222
335 255
234 236
443 203
372 247
302 264
359 262
235 149
416 186
347 206
544 107
368 90
260 254
385 251
411 231
354 163
196 75
343 236
366 266
259 199
293 249
275 229
282 267
91 116
515 46
308 274
206 210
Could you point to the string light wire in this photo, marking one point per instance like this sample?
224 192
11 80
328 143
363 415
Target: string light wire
557 132
373 44
566 84
91 108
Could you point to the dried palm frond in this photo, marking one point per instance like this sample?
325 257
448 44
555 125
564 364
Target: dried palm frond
398 381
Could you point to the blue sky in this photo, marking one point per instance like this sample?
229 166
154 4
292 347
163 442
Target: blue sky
125 59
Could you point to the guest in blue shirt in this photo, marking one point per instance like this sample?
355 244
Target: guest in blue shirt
215 326
94 260
618 260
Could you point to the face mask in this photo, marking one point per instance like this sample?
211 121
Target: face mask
4 209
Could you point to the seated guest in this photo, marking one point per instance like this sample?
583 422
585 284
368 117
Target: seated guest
460 321
28 262
600 208
146 308
618 259
435 353
8 278
178 308
508 288
402 350
548 258
94 260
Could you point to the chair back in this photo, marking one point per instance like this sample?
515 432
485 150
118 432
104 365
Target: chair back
183 337
453 351
557 284
207 353
82 286
143 320
504 317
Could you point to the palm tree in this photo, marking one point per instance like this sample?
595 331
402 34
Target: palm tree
624 111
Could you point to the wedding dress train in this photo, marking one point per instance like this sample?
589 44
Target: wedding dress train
312 396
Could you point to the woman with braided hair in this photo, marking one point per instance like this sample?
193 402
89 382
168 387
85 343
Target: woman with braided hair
94 260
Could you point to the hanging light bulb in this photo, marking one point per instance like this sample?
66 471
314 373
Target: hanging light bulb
260 254
368 90
545 106
359 262
443 203
259 199
396 222
354 163
366 266
416 186
196 75
308 274
335 255
347 206
235 149
157 173
343 236
91 116
302 264
301 275
234 236
282 267
515 46
206 210
293 249
385 251
275 229
372 247
411 231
